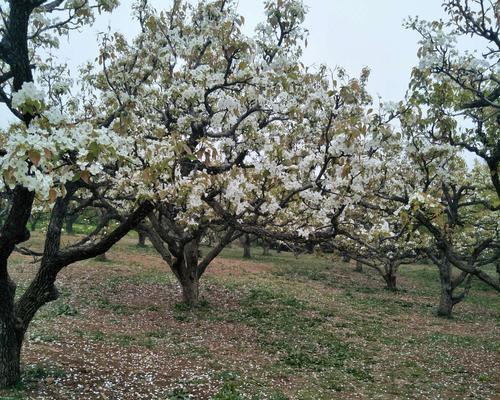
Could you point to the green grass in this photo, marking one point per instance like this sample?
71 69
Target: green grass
306 328
32 375
228 391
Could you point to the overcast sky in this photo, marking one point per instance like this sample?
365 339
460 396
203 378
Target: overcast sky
347 33
358 33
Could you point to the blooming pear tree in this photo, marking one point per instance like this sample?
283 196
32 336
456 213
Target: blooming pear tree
232 133
464 224
55 149
462 88
457 93
453 209
374 236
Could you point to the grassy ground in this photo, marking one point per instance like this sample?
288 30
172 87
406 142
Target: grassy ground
275 327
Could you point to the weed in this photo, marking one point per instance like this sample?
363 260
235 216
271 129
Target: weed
44 337
66 309
179 394
228 391
40 371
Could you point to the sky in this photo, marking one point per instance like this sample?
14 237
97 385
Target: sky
352 34
348 33
358 33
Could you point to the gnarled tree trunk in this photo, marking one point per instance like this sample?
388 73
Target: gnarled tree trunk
70 220
446 303
188 274
345 257
12 232
10 337
359 267
266 248
15 318
449 298
445 307
390 269
245 241
190 290
390 282
142 239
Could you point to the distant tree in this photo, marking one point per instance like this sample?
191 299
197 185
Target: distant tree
373 236
462 88
141 242
266 248
465 226
246 243
456 100
452 209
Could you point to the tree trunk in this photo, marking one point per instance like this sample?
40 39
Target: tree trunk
266 249
498 270
12 232
346 258
33 222
445 307
446 303
246 251
10 355
142 239
186 270
70 220
390 282
10 339
359 267
191 291
390 268
246 246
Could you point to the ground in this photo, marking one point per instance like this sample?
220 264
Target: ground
277 327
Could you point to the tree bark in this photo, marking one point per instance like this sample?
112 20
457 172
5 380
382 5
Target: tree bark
188 274
390 282
142 239
346 258
191 291
359 267
10 337
70 220
246 246
266 249
445 307
498 270
12 232
246 251
390 269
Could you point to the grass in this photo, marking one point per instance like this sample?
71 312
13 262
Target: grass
275 327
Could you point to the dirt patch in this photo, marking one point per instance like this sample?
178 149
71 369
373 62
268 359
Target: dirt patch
118 332
227 267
